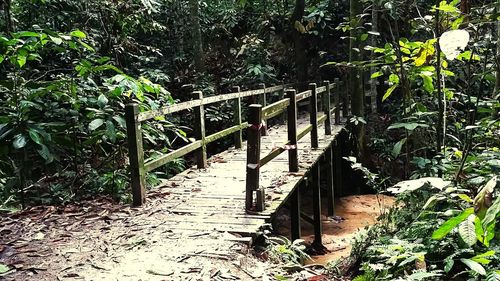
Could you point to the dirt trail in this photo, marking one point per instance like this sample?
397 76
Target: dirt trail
353 213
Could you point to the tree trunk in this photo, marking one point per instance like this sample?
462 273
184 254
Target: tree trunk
355 76
196 36
9 26
373 82
497 60
298 41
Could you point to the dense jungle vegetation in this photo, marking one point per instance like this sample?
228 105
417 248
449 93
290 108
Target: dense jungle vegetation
432 68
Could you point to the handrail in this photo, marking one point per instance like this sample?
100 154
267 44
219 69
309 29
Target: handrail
139 167
259 113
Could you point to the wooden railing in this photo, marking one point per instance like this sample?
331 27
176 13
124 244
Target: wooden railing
257 113
134 119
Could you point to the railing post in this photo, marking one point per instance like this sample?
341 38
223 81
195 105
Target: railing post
199 131
337 166
345 98
263 102
136 154
295 228
327 107
253 158
282 96
238 136
293 160
336 102
313 106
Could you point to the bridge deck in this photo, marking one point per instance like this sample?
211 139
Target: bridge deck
214 198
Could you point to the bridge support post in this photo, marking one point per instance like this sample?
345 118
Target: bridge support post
316 205
136 155
293 157
199 131
337 166
330 193
313 106
253 159
326 108
263 102
238 136
295 214
336 102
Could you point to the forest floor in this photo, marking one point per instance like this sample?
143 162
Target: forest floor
100 240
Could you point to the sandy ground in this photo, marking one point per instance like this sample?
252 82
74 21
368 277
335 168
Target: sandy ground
102 241
353 213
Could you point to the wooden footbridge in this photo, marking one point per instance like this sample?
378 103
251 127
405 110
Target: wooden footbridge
241 189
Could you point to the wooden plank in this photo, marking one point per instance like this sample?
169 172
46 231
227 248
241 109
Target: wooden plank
169 109
322 118
153 164
304 131
275 109
303 95
225 132
326 108
136 154
271 155
321 90
237 121
313 111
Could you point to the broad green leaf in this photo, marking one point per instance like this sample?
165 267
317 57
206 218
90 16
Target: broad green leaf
35 136
376 74
26 34
448 263
111 131
494 210
56 40
45 153
86 46
78 34
121 121
422 275
478 228
426 50
407 126
450 224
3 268
467 231
465 197
363 37
19 141
1 58
396 150
389 92
394 79
483 199
96 123
428 85
474 266
21 61
482 258
102 101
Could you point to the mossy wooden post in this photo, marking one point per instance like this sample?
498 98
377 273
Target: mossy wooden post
337 166
316 204
336 99
263 102
313 111
199 131
326 108
330 193
293 160
282 95
253 155
136 155
238 136
345 98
